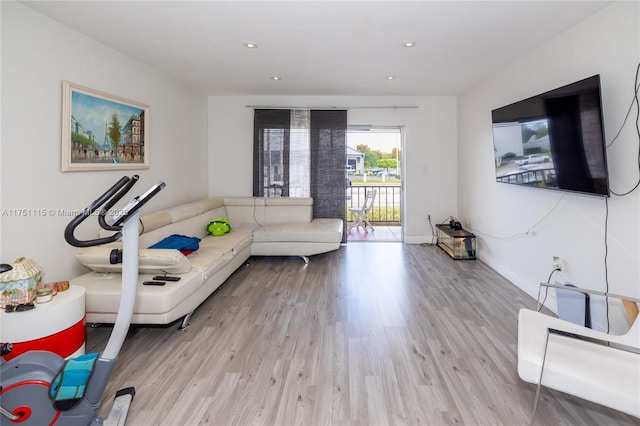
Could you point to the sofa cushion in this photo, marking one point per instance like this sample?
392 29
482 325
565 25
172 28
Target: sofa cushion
103 292
319 230
185 211
246 213
281 211
288 201
194 226
234 240
211 203
149 260
209 260
154 221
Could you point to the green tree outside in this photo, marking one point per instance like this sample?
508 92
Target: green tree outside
376 158
388 163
370 160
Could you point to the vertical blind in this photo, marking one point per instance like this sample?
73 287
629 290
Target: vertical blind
328 161
271 153
301 153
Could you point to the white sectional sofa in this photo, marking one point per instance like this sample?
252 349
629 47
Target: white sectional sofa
260 227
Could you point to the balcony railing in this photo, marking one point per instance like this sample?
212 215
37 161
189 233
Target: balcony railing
386 206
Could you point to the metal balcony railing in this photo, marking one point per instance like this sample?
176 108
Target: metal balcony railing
386 206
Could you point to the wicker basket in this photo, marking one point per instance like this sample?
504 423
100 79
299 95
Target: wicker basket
19 284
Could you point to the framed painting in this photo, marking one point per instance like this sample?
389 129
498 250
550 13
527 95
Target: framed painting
102 131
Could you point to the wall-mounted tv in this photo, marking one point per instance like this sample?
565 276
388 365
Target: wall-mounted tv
554 140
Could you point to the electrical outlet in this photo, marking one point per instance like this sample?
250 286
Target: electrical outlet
557 264
429 217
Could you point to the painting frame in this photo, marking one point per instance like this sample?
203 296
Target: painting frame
101 131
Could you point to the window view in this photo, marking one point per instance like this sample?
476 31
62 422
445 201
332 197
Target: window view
286 158
373 182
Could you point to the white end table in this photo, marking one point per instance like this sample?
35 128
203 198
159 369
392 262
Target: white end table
56 326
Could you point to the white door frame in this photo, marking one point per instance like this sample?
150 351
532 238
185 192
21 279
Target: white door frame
401 130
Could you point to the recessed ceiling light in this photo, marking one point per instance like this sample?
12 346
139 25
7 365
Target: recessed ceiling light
276 78
391 77
250 45
409 43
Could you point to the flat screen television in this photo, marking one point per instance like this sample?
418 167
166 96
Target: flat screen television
554 140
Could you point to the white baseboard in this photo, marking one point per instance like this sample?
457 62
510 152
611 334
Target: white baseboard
419 239
524 284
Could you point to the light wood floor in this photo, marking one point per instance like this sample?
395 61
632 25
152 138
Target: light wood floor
379 234
372 334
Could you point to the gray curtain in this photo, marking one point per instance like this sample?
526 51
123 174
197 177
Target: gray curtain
327 145
328 161
271 131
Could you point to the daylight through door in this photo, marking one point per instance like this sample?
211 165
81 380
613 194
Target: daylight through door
374 165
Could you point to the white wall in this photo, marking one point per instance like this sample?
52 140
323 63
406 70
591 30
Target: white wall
429 151
605 44
37 55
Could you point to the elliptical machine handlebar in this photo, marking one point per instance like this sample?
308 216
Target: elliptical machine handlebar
71 227
101 216
110 197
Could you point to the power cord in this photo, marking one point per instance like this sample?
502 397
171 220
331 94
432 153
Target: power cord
528 231
606 267
433 233
635 101
255 199
546 289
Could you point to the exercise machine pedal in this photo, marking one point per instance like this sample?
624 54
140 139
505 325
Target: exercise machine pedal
120 407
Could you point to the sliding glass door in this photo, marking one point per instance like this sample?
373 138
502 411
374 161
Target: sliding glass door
374 163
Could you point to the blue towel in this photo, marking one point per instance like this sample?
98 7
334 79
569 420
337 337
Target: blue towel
69 385
178 242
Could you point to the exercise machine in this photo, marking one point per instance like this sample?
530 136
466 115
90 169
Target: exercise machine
42 388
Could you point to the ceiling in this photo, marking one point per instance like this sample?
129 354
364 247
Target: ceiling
322 47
